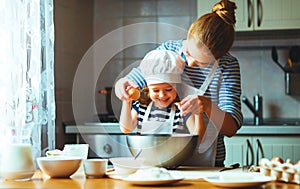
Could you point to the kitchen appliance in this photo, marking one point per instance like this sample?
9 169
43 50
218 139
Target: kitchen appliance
275 58
291 70
107 145
105 139
292 86
106 118
294 59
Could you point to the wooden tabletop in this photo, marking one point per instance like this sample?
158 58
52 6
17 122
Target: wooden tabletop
79 181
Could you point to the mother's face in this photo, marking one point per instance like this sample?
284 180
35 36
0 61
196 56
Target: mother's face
197 53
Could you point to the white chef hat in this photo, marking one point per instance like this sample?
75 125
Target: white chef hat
162 66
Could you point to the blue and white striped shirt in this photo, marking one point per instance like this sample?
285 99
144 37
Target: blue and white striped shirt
224 89
161 115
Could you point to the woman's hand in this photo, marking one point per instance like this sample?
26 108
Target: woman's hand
194 104
222 120
122 87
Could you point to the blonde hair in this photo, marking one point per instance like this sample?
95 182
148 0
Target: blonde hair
216 30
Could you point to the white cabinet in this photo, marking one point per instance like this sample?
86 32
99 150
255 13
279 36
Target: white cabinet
260 14
248 150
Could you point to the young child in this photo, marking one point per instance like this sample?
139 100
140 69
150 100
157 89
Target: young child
158 114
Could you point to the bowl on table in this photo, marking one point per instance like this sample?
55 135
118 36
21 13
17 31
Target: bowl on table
95 167
167 151
126 165
59 166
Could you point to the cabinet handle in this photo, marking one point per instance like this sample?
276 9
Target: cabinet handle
249 148
250 13
259 148
259 13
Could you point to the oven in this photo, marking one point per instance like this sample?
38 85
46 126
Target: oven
105 139
106 145
112 142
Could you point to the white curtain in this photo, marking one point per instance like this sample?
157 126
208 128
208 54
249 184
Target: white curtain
27 103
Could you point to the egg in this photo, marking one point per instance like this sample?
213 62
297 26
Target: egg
134 93
277 159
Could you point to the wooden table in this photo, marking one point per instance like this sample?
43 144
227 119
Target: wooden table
80 182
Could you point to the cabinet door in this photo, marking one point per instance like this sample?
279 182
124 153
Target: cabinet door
260 14
244 15
244 20
277 14
238 150
286 147
204 6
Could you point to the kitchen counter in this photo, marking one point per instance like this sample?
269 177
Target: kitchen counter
78 181
269 130
93 128
113 128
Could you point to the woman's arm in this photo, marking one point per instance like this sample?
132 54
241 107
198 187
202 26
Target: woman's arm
128 117
228 108
222 120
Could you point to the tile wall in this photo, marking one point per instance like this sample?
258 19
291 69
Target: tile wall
123 32
261 75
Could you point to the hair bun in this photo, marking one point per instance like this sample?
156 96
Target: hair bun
225 9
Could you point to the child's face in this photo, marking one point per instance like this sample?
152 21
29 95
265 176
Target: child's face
162 94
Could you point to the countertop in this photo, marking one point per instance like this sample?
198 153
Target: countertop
113 128
78 181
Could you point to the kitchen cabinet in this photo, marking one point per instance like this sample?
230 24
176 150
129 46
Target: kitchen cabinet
260 14
248 150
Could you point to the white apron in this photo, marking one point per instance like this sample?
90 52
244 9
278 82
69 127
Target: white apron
157 127
205 153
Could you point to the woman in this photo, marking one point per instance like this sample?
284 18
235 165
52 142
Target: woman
211 71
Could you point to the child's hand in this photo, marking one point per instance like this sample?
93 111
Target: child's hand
178 104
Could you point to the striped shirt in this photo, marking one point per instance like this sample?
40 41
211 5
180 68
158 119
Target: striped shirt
224 89
161 115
